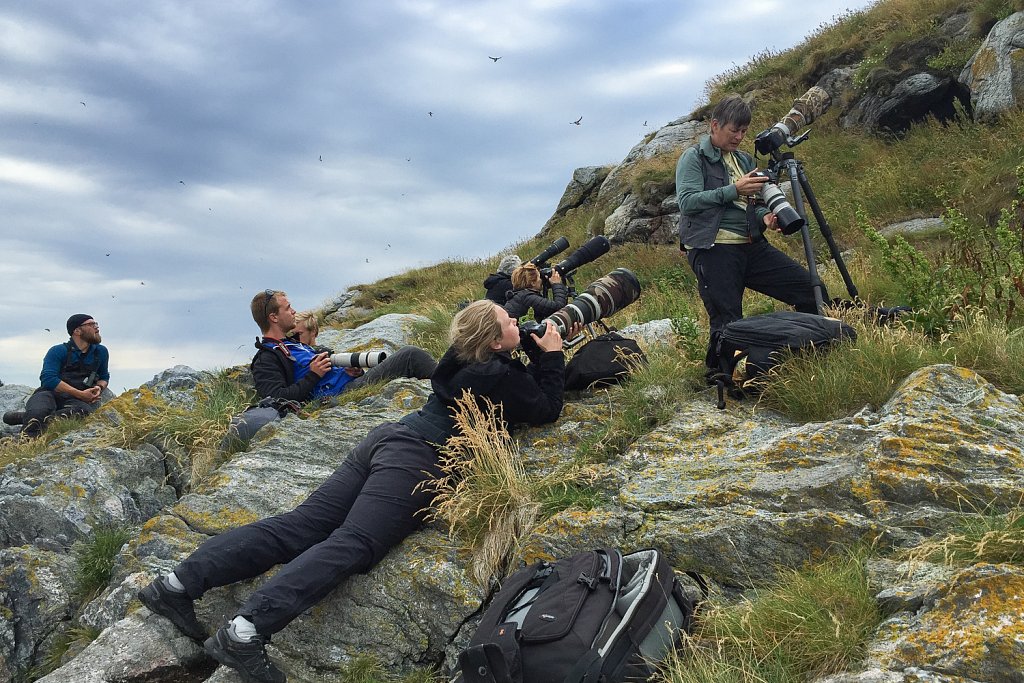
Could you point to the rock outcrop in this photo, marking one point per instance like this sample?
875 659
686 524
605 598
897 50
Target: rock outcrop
995 74
734 494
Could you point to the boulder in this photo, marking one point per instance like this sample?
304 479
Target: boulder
177 385
579 192
13 397
387 333
893 105
995 74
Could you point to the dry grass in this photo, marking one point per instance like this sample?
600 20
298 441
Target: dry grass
485 496
984 534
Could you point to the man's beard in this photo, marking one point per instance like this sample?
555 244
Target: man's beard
92 336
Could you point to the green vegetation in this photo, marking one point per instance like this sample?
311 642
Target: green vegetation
12 450
68 642
96 556
141 416
812 623
366 669
985 535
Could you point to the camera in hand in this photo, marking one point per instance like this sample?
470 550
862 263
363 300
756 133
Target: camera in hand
789 220
602 298
806 108
364 359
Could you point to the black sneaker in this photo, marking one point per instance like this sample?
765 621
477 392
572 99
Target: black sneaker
14 417
248 659
175 606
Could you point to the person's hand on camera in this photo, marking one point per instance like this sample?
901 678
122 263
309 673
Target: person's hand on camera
750 184
354 372
551 341
771 222
321 364
555 278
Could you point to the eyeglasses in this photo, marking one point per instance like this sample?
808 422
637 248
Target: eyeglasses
92 324
269 293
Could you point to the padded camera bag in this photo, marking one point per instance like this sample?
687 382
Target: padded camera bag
605 359
598 616
759 338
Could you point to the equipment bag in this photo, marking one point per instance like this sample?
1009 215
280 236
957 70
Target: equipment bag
759 337
606 359
598 616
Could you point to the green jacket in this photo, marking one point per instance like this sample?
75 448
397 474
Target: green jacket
703 190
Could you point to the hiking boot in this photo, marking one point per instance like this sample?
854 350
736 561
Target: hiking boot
248 659
14 417
176 606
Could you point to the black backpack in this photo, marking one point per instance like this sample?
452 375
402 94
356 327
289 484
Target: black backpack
605 359
759 337
596 617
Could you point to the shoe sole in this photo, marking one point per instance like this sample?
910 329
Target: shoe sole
150 597
214 649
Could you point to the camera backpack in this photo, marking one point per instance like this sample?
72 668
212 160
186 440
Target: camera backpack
595 617
605 359
759 338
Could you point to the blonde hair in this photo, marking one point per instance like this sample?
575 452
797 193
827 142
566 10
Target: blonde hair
474 329
264 305
306 320
526 276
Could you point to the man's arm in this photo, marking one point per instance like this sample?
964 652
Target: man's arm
271 381
690 192
103 371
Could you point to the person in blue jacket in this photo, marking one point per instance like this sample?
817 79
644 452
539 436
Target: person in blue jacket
74 375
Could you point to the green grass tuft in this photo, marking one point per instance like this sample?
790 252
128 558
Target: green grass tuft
95 557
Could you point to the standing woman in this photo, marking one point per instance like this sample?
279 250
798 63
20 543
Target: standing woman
368 505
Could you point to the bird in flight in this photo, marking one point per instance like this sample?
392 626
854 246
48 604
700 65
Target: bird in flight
576 122
47 329
321 157
82 103
430 113
493 59
182 182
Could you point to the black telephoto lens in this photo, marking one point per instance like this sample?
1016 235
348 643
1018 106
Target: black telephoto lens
591 250
557 247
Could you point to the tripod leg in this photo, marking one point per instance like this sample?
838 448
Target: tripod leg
826 232
793 170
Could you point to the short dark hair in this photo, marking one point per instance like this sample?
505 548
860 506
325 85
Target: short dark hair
732 109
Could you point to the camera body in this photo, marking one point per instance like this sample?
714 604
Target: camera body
89 381
363 359
773 196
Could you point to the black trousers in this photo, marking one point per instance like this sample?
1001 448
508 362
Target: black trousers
408 361
365 508
44 404
725 270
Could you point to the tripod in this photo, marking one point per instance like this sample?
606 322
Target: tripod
801 186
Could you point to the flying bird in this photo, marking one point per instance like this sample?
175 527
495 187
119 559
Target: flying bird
108 254
430 113
82 103
142 283
47 329
645 123
576 122
182 182
493 59
321 157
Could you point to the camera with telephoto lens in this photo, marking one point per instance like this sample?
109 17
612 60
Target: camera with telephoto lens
556 247
603 297
90 380
806 108
364 359
591 250
772 195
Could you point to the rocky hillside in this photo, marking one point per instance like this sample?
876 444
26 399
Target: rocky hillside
738 494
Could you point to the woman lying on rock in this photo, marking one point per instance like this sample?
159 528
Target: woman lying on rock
368 505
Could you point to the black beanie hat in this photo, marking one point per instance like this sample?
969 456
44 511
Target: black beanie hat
75 321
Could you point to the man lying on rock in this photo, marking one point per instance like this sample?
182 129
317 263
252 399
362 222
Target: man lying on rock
370 503
288 372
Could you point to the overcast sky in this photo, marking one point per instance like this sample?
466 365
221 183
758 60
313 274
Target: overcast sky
160 162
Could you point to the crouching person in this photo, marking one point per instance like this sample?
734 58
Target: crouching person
368 505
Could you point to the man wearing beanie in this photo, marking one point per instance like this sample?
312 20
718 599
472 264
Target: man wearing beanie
73 377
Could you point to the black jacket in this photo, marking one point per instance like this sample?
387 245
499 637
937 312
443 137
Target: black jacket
520 301
274 374
498 285
527 395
